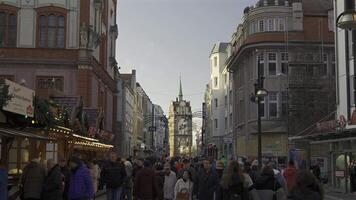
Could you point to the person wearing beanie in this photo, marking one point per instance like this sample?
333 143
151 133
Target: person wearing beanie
80 184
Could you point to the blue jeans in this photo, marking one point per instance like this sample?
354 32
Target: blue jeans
113 193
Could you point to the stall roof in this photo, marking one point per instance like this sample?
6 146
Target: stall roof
20 133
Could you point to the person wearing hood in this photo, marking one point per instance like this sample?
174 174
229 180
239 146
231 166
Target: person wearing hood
233 184
306 187
289 174
32 180
267 186
80 184
54 182
145 186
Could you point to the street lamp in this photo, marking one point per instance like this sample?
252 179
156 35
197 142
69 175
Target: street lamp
257 97
347 20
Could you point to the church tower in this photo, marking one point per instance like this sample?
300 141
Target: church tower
180 125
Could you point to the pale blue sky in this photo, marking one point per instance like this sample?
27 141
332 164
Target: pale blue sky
164 38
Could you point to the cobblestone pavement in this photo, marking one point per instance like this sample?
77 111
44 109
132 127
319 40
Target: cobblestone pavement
339 196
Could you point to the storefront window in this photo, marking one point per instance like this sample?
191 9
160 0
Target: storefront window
52 151
18 156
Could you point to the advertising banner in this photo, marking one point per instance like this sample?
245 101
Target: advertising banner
21 101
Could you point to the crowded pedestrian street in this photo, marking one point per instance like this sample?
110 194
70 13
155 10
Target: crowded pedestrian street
177 99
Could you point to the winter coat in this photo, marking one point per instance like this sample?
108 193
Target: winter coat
95 175
235 190
254 174
53 185
32 180
182 185
267 187
280 179
114 175
289 175
66 173
206 185
3 184
169 183
304 195
81 184
160 184
145 184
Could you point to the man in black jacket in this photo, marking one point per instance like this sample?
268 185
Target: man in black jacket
54 182
66 173
114 175
207 182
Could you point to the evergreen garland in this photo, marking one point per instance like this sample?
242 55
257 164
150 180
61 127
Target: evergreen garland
4 93
43 113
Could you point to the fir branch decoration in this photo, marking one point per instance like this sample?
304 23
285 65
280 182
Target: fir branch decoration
4 93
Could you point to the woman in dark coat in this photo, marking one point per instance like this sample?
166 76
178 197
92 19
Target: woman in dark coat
232 183
306 187
267 185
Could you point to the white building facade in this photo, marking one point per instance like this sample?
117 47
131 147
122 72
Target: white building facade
218 101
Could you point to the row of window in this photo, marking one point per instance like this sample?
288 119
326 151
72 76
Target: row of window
43 82
51 30
227 122
268 25
272 64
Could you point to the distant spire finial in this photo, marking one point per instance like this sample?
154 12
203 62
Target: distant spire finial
180 89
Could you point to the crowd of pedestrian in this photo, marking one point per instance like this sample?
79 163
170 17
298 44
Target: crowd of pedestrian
164 179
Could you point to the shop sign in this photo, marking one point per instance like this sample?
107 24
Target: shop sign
100 133
21 101
340 174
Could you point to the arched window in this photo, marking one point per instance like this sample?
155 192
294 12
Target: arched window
51 31
8 29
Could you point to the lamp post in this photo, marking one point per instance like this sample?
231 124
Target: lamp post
257 97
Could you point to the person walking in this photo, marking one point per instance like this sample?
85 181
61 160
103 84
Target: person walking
254 172
306 187
170 180
207 182
32 179
289 174
267 186
114 176
80 183
95 174
128 182
352 169
66 173
54 182
183 190
3 181
145 186
187 166
233 183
